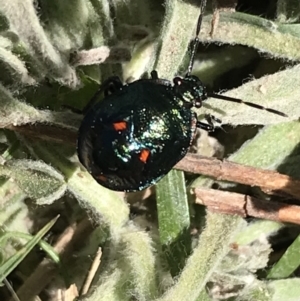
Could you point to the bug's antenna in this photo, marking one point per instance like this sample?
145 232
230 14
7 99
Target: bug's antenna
247 103
196 40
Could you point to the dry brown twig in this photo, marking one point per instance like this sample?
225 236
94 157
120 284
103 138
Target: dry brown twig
268 180
244 205
92 272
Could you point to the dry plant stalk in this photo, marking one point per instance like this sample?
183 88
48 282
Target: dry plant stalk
269 181
245 205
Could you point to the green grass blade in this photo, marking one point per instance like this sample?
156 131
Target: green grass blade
174 220
42 244
10 264
288 263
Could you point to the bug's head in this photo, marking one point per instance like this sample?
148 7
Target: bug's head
190 90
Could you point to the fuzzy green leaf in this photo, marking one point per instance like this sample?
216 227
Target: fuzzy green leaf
287 290
256 230
37 179
90 194
271 148
276 91
138 262
178 27
15 113
266 36
211 249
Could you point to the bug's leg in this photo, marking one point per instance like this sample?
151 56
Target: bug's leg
160 81
211 119
154 74
111 85
72 109
205 126
209 126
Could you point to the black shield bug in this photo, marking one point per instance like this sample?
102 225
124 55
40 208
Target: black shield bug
139 131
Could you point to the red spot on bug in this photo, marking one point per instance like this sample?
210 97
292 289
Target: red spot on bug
101 178
144 155
120 126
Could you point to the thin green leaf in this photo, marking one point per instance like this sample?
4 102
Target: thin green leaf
173 211
10 264
43 245
288 263
174 220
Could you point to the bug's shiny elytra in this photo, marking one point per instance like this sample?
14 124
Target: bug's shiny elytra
139 131
134 136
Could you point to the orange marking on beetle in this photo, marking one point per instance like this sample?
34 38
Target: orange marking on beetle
101 178
144 155
119 126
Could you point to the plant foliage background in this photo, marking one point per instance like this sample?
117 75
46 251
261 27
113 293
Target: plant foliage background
156 245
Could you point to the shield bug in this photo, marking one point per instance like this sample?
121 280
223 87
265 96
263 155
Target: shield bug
136 134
